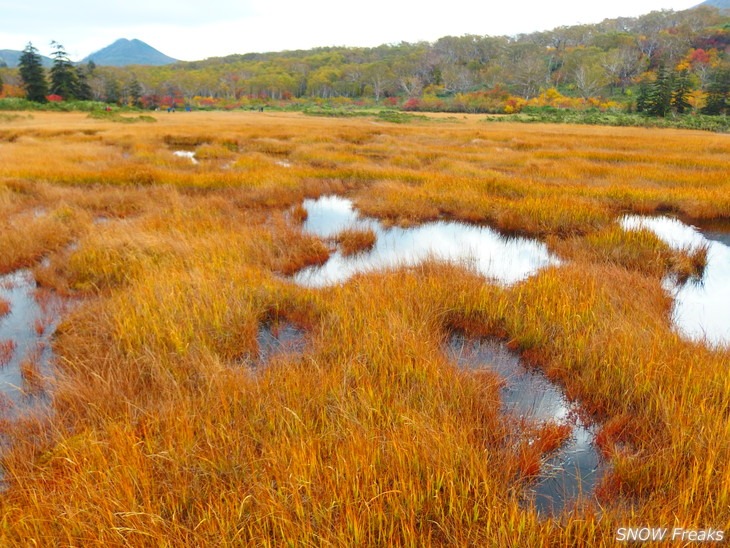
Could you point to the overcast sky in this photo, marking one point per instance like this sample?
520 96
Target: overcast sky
220 27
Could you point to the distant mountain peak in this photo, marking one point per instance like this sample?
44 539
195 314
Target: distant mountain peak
129 52
722 4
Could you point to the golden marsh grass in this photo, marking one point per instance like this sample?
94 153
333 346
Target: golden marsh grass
354 240
161 434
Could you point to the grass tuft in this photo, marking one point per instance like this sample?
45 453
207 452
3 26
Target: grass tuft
354 240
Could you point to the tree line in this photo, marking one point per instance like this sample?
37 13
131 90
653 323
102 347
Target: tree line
67 81
658 63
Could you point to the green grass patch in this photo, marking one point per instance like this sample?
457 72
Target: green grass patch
551 115
393 116
12 117
335 112
398 117
15 103
111 116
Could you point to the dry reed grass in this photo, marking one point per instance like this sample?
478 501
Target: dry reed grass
160 434
7 348
354 240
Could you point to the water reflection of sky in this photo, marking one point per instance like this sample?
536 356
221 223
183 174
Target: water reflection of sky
29 325
701 307
330 215
526 392
279 338
506 260
575 468
716 235
186 154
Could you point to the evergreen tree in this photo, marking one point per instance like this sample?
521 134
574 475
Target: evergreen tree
33 75
718 92
642 100
64 79
83 89
112 91
134 92
682 89
660 94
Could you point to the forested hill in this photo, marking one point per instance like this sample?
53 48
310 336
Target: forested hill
607 60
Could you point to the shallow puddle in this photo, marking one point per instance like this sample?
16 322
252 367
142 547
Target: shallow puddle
25 340
187 154
701 307
505 260
276 339
573 469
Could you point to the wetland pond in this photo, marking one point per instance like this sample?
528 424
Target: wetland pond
574 468
701 309
502 259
